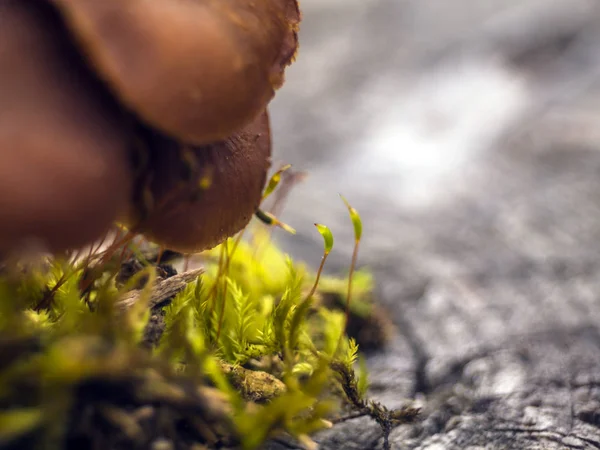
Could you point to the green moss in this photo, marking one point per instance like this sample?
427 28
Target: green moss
243 352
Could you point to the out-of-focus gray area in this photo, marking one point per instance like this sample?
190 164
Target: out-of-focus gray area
393 102
467 134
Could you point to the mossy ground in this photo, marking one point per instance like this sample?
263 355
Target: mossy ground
111 350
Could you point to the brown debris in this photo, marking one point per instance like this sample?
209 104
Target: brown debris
163 290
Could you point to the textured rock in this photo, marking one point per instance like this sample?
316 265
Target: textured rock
493 274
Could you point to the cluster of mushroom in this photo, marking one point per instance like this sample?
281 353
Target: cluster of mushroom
150 113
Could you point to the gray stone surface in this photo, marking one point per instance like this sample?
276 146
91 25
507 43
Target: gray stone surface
465 133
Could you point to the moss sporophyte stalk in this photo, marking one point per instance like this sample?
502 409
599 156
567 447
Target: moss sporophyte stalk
251 346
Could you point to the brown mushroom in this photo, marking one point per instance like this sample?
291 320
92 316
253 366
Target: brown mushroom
81 79
223 189
195 69
64 173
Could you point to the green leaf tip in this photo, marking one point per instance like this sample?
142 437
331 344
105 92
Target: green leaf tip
355 217
275 180
327 236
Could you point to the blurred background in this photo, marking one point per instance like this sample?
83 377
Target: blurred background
464 131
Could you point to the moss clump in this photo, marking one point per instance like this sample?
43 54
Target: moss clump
95 353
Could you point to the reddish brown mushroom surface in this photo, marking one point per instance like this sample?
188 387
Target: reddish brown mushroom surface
83 82
196 69
64 172
208 194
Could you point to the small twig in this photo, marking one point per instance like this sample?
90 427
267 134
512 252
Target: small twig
386 418
354 415
162 290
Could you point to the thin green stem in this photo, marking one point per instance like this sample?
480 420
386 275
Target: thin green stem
225 284
319 272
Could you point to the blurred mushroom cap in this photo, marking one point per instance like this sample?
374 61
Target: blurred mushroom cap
198 70
64 168
202 195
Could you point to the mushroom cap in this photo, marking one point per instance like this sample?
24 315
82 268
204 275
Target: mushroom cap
198 70
64 170
189 216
